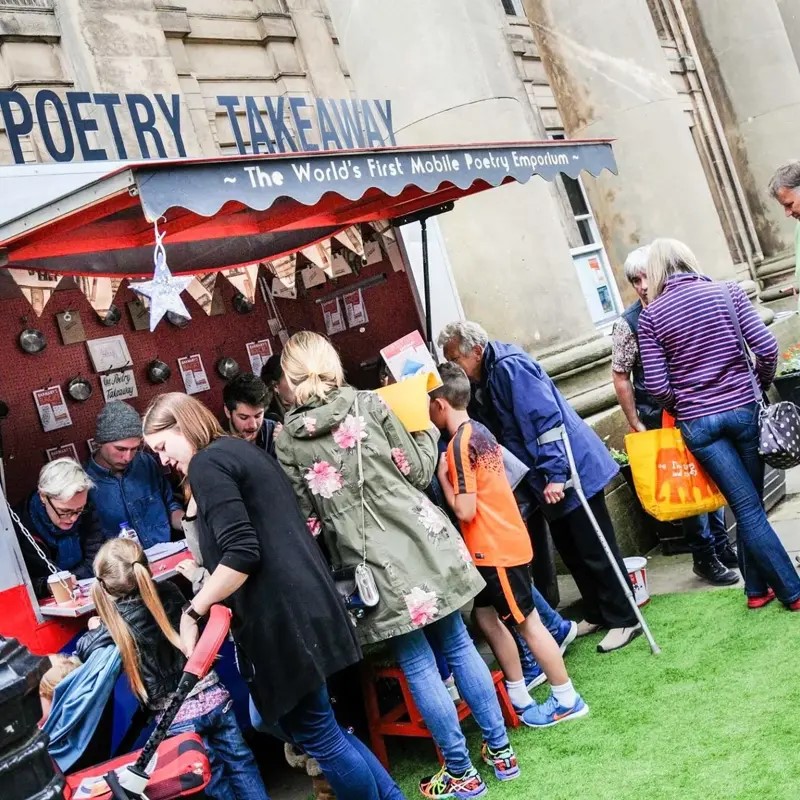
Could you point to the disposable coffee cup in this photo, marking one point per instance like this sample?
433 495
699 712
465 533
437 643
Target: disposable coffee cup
62 594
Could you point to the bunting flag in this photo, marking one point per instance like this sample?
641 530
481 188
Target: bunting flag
202 290
244 279
284 284
37 287
320 256
100 292
351 239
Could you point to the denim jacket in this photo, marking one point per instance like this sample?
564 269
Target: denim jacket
140 496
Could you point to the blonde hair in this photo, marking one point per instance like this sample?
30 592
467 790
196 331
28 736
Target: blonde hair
190 416
60 667
122 570
311 366
668 257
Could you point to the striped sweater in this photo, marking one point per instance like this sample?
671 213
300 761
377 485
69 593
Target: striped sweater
693 363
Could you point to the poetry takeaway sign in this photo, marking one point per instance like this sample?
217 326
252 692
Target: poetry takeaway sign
70 124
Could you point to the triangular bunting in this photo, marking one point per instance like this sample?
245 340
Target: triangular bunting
202 290
351 238
100 293
383 227
285 270
320 256
38 287
244 279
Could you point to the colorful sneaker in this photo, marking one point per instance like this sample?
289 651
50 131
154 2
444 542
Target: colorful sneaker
443 785
549 713
534 675
504 762
567 633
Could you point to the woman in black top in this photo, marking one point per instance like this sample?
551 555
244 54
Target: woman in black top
291 628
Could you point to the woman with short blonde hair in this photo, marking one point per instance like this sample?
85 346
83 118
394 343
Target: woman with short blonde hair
696 367
359 478
290 625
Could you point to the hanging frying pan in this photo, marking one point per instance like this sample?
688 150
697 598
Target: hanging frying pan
113 316
158 372
79 389
32 341
227 368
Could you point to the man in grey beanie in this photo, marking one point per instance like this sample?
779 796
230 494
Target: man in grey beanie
129 485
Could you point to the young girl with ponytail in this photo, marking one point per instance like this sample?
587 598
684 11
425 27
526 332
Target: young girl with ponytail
139 617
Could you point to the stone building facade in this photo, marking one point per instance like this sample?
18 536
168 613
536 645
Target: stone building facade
702 105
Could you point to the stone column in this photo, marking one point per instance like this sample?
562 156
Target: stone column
450 74
119 47
610 79
754 75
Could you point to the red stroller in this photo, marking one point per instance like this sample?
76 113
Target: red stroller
165 768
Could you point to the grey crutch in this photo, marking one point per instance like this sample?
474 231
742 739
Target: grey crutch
560 434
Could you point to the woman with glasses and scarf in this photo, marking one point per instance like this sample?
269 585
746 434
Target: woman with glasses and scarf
62 523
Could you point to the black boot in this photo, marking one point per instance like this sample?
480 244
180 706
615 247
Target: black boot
728 556
711 569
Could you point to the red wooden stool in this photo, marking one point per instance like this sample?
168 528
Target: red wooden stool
405 719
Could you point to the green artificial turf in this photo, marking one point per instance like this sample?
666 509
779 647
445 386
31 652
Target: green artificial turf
716 715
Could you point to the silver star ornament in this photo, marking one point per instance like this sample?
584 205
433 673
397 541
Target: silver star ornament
164 290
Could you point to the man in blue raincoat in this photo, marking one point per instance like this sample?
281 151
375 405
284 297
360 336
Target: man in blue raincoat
515 398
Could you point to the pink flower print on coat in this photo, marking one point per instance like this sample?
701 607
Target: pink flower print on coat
310 424
350 431
401 460
314 526
423 606
323 479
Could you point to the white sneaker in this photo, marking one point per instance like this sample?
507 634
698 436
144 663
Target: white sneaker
570 637
618 638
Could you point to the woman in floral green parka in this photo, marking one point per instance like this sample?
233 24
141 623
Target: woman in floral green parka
422 569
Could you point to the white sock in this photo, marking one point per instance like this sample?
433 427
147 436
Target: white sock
518 694
565 694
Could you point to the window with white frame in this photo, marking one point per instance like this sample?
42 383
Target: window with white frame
588 253
513 8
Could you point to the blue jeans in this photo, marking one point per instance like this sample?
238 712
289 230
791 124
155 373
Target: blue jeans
234 772
706 534
349 766
726 445
550 618
473 679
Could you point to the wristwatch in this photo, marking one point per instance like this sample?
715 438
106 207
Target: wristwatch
192 612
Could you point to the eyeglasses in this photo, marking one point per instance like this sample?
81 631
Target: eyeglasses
66 513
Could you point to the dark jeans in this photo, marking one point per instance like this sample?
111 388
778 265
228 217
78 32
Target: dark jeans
726 445
706 534
349 765
604 601
234 772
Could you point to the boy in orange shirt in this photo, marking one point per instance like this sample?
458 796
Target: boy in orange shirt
475 485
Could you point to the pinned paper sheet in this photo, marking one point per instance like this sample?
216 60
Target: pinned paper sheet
409 356
38 287
280 289
100 293
351 238
202 290
244 279
409 400
340 267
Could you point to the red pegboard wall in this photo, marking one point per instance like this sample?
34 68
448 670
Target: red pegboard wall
392 313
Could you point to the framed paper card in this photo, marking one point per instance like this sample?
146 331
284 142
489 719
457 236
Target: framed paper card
194 374
62 451
52 408
258 353
71 327
119 385
109 353
355 309
334 318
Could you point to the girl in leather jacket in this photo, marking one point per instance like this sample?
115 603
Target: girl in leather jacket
139 617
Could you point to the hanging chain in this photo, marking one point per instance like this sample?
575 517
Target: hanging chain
39 552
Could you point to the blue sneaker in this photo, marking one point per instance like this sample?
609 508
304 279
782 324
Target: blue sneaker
567 632
549 713
533 674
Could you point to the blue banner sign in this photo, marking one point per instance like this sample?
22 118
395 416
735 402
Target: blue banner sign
283 124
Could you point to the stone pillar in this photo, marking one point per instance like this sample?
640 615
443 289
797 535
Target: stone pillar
450 74
119 47
610 79
754 75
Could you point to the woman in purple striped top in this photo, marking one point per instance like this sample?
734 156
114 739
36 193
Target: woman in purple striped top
694 367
